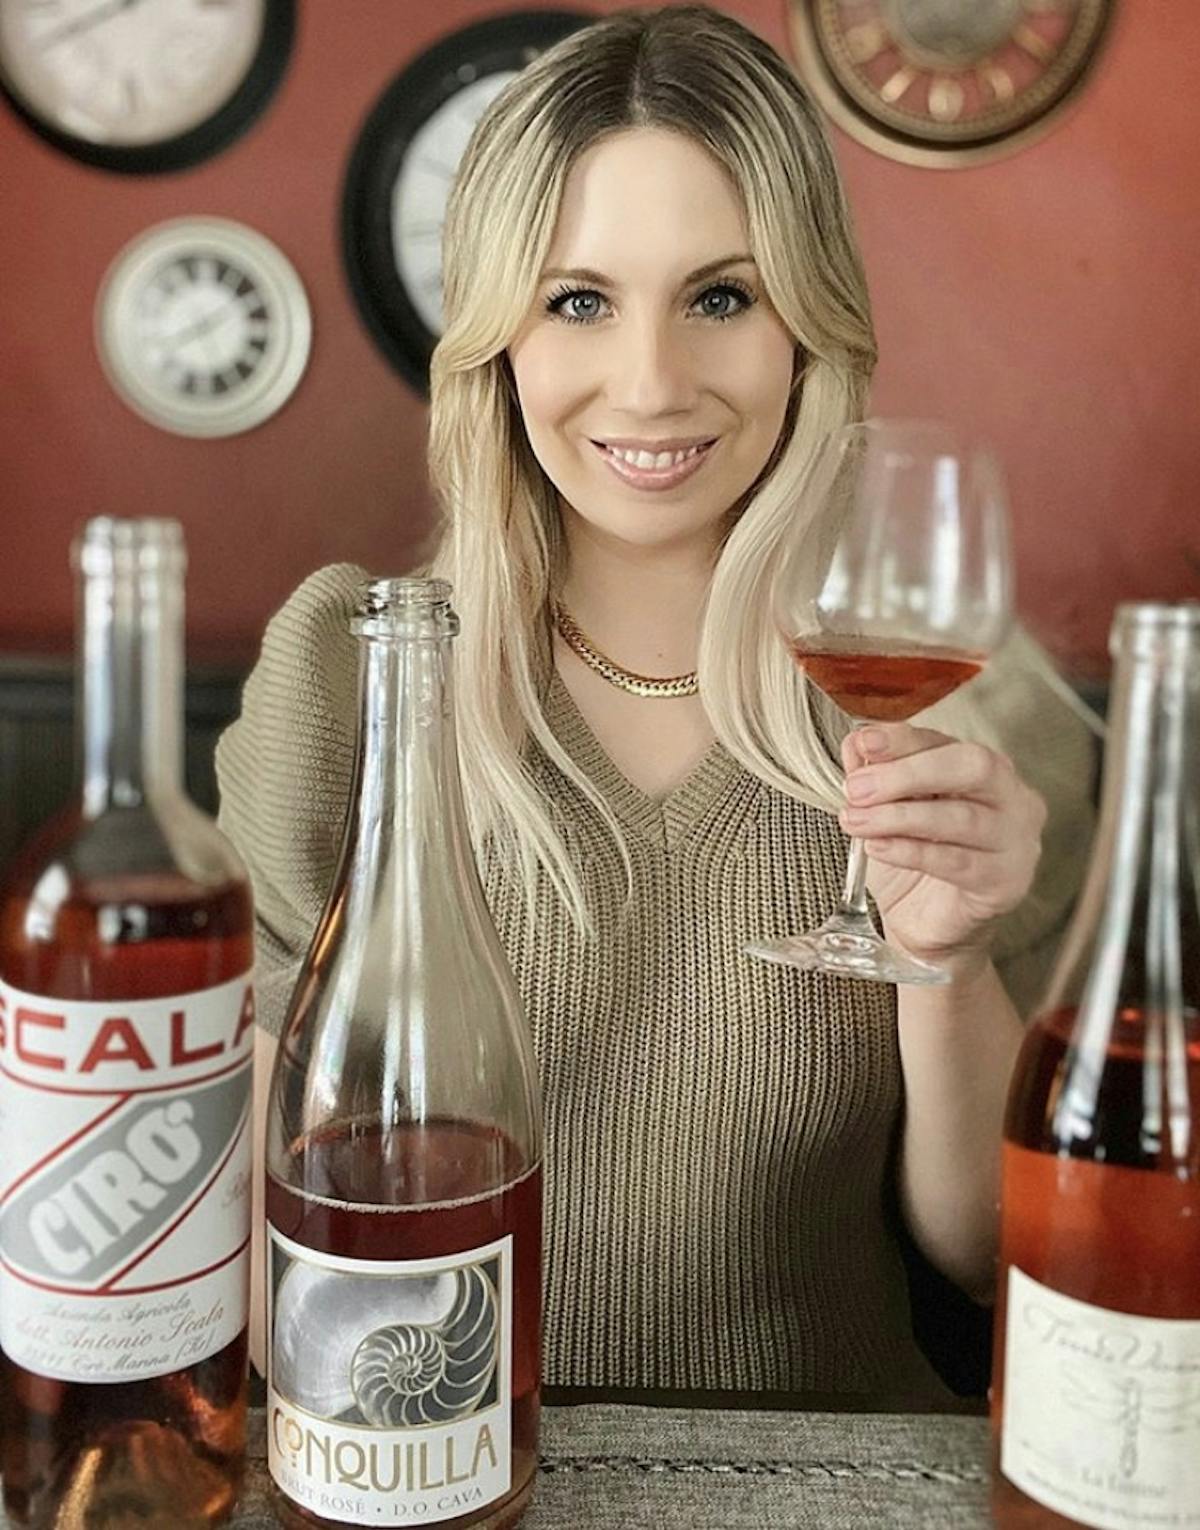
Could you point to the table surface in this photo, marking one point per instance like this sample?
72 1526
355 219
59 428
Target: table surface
621 1465
617 1466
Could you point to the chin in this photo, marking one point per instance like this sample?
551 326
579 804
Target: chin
651 526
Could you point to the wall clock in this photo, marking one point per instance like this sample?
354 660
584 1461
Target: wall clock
203 326
142 86
402 167
946 82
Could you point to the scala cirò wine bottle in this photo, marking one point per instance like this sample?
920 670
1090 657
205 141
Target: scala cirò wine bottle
404 1141
126 1035
1096 1383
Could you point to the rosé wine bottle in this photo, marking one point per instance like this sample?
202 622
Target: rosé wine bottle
126 1029
404 1143
1096 1382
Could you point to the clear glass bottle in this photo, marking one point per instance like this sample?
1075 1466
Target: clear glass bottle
126 1035
1096 1382
404 1142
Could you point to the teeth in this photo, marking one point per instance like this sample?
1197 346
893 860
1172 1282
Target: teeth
658 460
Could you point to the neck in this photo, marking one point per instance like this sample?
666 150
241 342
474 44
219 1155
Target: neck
641 606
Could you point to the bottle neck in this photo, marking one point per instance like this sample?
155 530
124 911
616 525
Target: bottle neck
1130 967
407 835
406 1023
130 685
1148 938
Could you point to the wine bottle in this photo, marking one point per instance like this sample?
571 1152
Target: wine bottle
404 1142
1096 1381
126 1034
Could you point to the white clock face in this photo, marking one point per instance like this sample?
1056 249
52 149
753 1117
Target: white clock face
203 326
127 72
423 187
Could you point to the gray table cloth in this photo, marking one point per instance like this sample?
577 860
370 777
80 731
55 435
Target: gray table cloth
612 1466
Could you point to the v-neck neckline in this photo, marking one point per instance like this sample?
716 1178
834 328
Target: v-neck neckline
664 817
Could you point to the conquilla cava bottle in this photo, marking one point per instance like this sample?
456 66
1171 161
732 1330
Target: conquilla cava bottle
126 1034
1096 1384
404 1142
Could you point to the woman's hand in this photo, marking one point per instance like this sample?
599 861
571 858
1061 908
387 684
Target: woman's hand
952 835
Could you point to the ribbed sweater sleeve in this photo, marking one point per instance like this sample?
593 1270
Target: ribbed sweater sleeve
1012 707
284 770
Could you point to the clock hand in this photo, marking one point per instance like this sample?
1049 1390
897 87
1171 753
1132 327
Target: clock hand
198 327
86 22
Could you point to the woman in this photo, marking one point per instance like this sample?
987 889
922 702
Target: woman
654 313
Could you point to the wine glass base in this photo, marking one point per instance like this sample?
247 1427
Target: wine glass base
844 953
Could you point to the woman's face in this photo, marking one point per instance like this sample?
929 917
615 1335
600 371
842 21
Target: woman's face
652 372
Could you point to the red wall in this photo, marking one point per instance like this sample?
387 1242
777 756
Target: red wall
1051 299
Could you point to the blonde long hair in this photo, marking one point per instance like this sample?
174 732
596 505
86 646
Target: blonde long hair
697 72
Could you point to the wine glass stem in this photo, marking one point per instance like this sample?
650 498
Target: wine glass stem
854 894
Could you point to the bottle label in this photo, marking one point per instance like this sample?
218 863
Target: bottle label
1101 1418
389 1382
124 1180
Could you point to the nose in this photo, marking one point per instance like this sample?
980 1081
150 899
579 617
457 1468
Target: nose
652 369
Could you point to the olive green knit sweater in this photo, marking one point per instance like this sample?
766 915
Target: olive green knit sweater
719 1131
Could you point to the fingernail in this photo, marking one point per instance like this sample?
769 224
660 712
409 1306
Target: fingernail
860 786
852 818
871 741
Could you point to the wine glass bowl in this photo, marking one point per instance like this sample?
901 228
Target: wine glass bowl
892 586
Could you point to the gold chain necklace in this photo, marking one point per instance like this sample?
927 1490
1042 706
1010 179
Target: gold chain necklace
623 679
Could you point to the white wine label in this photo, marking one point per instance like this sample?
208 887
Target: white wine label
389 1383
124 1180
1101 1418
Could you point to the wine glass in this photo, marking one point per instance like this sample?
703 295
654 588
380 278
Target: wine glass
892 586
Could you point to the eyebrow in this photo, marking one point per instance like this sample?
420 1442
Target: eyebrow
586 274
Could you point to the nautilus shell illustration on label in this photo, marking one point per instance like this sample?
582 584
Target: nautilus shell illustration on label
392 1352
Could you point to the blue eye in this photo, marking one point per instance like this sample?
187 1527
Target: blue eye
577 305
584 305
724 300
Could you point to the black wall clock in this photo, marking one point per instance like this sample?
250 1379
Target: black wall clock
402 168
142 86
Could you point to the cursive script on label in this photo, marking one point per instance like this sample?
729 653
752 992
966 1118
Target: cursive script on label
1111 1346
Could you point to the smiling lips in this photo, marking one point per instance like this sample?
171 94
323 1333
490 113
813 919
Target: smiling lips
664 466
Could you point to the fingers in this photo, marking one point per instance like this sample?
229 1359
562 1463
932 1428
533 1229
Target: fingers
918 762
976 848
971 870
951 821
887 741
953 811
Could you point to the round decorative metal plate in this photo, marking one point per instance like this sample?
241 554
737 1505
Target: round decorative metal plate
946 82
